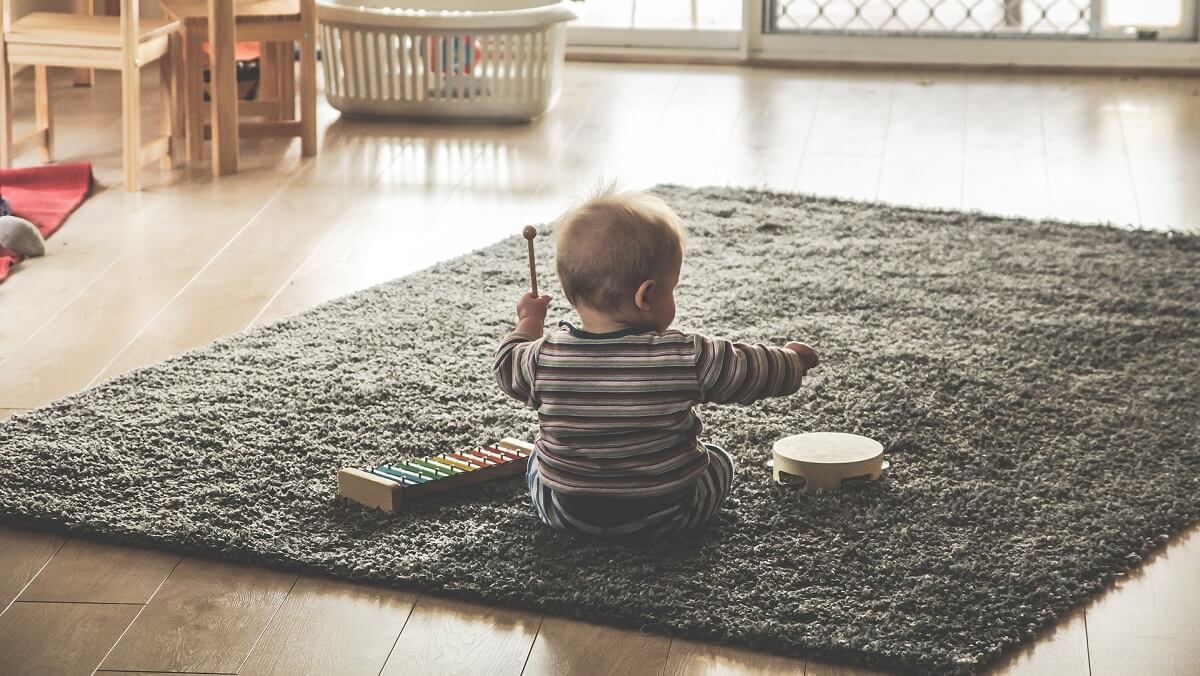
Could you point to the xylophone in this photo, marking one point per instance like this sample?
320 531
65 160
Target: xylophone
391 486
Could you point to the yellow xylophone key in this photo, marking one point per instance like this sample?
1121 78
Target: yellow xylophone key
442 466
456 463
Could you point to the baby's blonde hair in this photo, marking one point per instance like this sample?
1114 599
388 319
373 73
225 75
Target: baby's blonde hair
611 243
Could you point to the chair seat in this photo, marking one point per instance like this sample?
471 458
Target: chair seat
78 30
243 10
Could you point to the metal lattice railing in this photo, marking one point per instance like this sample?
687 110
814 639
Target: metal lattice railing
934 17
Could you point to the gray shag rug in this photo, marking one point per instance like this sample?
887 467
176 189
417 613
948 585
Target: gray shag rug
1035 384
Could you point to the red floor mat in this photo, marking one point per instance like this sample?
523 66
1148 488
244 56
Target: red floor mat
44 196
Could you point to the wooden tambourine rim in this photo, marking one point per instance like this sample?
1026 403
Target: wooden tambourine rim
784 448
821 469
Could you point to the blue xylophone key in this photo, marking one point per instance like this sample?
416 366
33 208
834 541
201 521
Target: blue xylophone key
400 480
391 477
412 477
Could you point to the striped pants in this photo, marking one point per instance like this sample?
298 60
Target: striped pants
689 512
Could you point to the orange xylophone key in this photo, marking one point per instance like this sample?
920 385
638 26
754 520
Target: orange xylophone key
464 466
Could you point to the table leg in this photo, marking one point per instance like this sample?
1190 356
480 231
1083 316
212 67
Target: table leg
193 92
223 87
308 82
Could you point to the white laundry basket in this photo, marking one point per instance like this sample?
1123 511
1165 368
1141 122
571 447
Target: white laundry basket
495 59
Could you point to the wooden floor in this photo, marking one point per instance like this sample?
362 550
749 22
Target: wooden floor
134 278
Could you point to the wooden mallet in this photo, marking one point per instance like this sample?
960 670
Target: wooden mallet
530 232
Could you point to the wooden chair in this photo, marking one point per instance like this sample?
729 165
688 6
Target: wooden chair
279 25
124 43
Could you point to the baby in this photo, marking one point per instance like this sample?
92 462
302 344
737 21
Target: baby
618 452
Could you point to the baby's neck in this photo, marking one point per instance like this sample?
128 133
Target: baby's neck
598 322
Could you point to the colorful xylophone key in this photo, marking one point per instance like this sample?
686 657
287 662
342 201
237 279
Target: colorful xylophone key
392 485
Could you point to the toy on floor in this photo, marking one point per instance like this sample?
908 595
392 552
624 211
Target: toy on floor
391 486
21 237
826 460
459 54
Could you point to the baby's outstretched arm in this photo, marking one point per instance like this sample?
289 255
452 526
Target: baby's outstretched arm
738 373
807 354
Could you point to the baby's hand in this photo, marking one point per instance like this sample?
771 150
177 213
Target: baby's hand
807 354
533 308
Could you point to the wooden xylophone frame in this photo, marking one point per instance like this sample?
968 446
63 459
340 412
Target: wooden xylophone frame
392 486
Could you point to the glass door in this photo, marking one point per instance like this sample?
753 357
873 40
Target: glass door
1081 19
1159 34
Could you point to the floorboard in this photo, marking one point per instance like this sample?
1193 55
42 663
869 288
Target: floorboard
449 637
84 571
206 618
328 627
573 648
23 554
923 165
689 658
1063 651
815 668
120 303
224 298
106 672
60 638
1086 156
1148 624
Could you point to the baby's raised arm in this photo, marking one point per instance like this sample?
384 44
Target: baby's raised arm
739 373
516 357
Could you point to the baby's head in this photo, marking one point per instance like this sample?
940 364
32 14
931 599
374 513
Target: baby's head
618 258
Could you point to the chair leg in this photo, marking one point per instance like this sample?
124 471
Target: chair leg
193 95
178 80
308 90
6 105
224 89
131 114
43 113
168 96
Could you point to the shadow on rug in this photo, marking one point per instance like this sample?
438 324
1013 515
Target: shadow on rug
1035 385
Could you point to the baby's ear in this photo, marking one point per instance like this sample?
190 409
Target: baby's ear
641 298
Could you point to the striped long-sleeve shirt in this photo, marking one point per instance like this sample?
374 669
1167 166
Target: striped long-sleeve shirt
615 409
